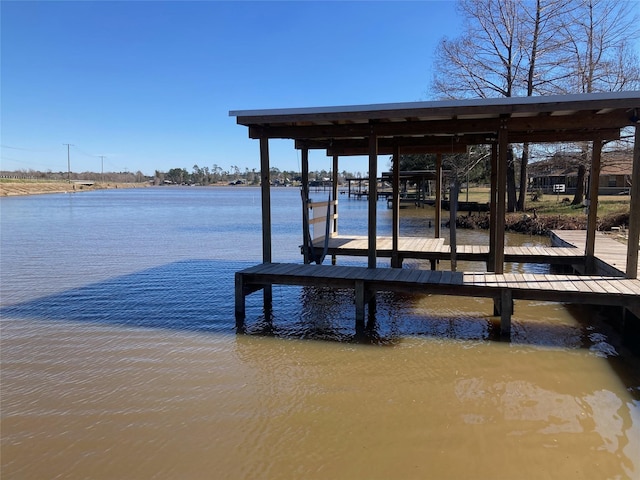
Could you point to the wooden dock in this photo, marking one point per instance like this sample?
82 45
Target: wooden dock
503 288
439 128
610 254
435 249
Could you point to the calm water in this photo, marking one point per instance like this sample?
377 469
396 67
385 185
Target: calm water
120 359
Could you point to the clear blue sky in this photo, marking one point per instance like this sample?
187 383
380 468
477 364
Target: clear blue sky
150 84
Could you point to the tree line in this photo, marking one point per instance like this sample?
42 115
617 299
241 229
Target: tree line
234 175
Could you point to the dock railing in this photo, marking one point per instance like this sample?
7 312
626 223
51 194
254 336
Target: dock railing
318 219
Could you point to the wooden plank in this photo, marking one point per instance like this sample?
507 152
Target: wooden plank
592 284
435 276
620 286
532 281
567 284
413 275
447 275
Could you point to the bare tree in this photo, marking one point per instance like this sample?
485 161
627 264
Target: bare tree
597 38
518 47
486 60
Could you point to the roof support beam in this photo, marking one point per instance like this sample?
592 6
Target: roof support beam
438 204
518 126
501 207
493 208
634 218
440 144
334 196
396 262
373 197
266 200
306 248
267 292
592 220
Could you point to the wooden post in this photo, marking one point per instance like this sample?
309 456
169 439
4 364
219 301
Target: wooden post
634 211
266 214
592 220
359 294
266 200
396 262
373 198
334 195
506 310
305 210
501 208
240 303
493 208
453 215
438 204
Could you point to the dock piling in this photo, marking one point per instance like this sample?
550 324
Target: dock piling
506 310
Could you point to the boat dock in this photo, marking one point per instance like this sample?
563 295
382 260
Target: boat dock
435 249
503 288
444 128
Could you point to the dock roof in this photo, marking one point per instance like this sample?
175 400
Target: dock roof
418 127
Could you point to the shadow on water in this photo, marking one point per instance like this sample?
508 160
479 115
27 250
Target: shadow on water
189 295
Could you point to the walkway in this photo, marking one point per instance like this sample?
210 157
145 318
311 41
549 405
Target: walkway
611 255
504 288
435 249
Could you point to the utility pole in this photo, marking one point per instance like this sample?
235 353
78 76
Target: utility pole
102 171
68 161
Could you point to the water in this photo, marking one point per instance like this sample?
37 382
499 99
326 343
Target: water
120 359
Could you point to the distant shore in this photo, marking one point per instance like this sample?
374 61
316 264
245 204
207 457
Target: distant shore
17 188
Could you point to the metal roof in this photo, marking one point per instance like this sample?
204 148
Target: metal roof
428 125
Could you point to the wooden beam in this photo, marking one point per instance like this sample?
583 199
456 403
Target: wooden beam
266 200
592 219
438 204
634 212
267 292
438 144
396 262
373 197
501 207
506 310
493 208
334 193
305 211
557 125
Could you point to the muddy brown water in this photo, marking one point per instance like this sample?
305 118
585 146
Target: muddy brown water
120 360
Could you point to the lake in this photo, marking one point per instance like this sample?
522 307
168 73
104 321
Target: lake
119 356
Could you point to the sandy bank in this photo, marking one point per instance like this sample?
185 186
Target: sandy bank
8 189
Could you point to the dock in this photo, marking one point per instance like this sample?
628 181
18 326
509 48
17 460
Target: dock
421 248
444 128
503 288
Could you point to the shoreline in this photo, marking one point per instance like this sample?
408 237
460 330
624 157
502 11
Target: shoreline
14 189
542 224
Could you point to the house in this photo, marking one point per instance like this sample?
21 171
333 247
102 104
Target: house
562 169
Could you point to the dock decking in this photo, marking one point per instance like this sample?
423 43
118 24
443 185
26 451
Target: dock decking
611 255
435 249
608 288
503 288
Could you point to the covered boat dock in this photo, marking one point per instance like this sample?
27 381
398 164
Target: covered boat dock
445 127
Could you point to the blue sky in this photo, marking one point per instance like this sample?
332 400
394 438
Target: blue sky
150 84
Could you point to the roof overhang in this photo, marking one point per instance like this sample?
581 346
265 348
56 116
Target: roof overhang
447 126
